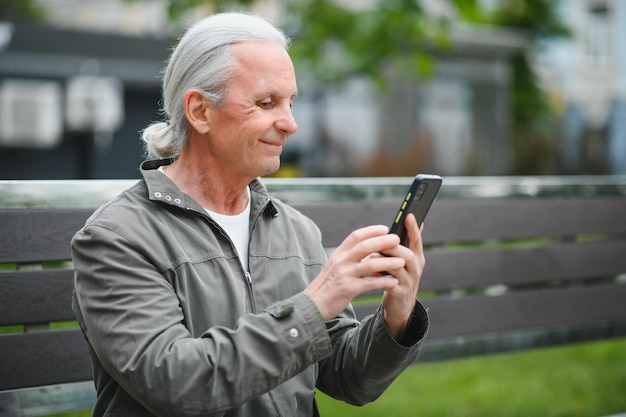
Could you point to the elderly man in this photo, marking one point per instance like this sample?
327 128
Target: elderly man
198 293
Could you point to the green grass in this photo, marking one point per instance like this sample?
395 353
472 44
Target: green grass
584 380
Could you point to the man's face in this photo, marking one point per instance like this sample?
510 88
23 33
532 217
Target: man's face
248 132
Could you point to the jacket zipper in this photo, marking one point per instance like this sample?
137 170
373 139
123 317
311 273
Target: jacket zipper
248 277
247 273
250 293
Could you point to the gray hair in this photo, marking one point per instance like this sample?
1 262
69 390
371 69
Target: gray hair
202 60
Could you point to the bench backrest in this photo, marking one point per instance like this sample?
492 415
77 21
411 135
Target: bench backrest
550 268
35 297
510 274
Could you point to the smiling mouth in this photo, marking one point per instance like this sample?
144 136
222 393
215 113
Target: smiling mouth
274 143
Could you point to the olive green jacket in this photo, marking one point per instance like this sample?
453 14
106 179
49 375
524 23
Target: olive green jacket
176 327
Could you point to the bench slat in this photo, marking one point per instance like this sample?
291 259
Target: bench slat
475 268
471 315
38 235
527 309
43 358
41 296
466 221
477 220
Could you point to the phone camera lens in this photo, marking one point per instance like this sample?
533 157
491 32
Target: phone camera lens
420 191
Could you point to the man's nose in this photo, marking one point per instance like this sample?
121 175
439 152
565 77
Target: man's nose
286 122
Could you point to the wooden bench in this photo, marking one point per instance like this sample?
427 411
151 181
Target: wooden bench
512 263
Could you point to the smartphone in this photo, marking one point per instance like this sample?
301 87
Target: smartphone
418 200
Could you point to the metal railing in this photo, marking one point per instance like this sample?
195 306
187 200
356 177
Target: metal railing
92 193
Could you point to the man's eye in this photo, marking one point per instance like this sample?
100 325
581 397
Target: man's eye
266 104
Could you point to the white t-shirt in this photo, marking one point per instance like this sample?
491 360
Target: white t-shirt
237 227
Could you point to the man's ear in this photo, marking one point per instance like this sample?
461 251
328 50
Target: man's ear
197 109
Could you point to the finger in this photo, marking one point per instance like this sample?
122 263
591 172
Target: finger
386 283
366 232
366 241
375 264
414 233
413 256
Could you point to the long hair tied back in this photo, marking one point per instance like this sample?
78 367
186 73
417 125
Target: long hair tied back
201 60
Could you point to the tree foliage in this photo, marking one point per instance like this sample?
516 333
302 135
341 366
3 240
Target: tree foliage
177 8
338 43
13 10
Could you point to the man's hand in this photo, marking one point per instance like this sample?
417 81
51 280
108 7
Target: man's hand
352 270
399 300
355 267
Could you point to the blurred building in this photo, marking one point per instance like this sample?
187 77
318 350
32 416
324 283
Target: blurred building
586 75
75 93
455 122
72 103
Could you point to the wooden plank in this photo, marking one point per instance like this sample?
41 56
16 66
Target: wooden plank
42 296
466 221
38 235
526 309
482 314
475 268
477 220
43 358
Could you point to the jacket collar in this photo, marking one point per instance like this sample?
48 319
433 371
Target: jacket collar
161 188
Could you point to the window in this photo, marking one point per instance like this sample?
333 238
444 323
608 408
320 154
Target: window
598 36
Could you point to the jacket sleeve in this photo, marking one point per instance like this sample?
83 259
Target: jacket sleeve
366 359
132 320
